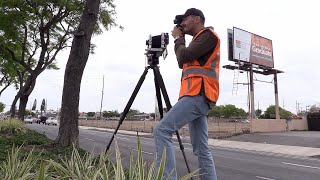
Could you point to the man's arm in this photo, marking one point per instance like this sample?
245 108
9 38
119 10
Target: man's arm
201 46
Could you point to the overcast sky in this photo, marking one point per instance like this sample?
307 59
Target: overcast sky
291 25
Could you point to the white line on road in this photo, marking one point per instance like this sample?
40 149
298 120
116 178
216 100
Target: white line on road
88 139
144 152
300 165
260 177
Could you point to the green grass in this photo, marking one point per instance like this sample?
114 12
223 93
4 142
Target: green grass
11 126
13 132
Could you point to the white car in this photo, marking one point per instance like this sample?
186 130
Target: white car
28 120
246 121
52 121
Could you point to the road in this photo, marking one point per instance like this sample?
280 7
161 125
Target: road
231 164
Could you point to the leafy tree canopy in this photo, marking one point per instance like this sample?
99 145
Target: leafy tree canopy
91 114
227 111
270 113
114 113
33 32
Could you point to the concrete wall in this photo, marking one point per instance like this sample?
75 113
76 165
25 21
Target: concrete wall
277 125
298 124
268 125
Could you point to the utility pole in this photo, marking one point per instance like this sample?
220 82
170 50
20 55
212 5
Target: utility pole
102 96
298 107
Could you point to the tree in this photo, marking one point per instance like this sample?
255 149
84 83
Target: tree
7 74
270 113
68 130
34 106
40 30
29 112
43 106
215 112
284 114
241 113
133 112
258 112
229 110
314 108
110 114
4 83
91 114
2 106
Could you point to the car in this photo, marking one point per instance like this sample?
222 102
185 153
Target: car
28 120
52 121
233 120
246 121
42 120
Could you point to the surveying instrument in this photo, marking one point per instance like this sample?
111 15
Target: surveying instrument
157 46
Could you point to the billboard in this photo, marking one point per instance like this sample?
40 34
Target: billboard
249 47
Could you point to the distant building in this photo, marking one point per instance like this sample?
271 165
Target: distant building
82 116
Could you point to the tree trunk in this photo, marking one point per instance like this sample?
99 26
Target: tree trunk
13 105
69 130
23 95
22 106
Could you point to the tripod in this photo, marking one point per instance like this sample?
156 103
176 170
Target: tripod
159 84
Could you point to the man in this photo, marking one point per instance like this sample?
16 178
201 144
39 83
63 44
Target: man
199 92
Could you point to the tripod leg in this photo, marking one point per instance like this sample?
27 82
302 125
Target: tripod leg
158 94
168 104
127 108
162 87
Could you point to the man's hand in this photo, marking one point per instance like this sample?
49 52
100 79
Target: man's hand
176 32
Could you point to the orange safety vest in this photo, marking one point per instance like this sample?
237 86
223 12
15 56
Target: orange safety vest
193 75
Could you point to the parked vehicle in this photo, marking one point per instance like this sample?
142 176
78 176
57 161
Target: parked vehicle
52 121
246 121
28 120
42 120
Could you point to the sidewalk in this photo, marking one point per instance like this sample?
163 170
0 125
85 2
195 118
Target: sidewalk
249 146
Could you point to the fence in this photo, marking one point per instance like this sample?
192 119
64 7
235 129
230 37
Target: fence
217 128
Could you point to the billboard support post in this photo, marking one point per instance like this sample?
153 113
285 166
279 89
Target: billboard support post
276 96
252 113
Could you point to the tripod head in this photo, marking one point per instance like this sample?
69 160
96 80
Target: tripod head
156 47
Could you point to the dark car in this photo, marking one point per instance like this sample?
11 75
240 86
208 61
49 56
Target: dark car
42 120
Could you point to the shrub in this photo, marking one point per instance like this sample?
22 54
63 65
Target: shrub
86 167
12 126
16 167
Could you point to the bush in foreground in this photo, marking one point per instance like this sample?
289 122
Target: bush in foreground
76 166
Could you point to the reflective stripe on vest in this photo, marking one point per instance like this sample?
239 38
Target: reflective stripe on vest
197 70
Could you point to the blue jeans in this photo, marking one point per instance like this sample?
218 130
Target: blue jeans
192 111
